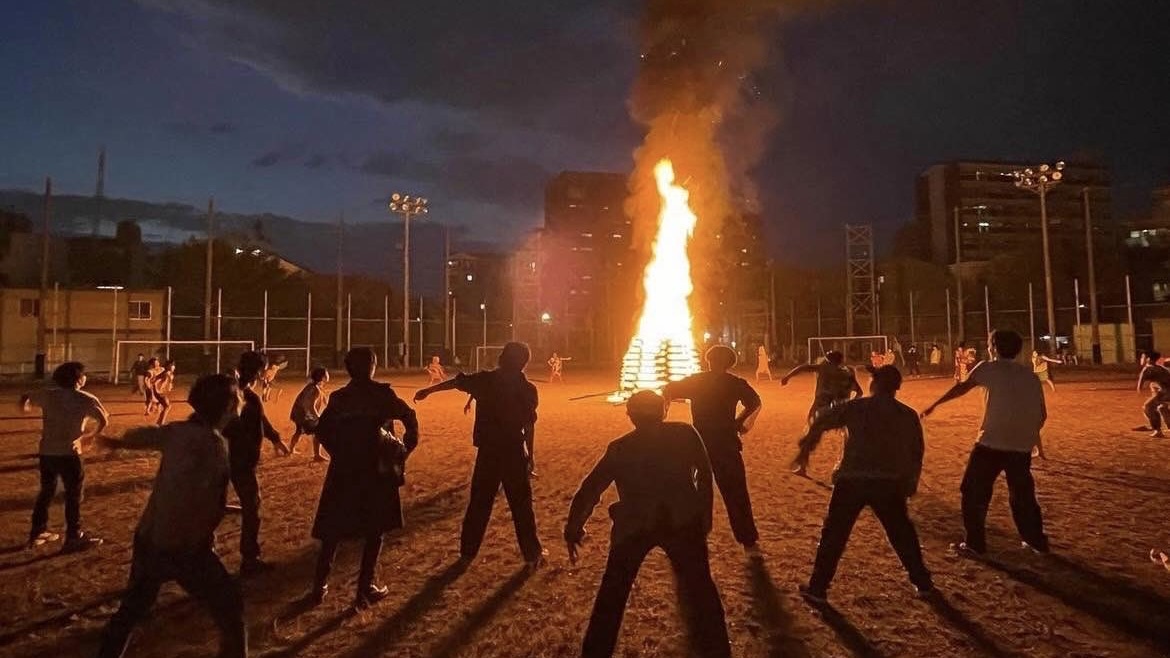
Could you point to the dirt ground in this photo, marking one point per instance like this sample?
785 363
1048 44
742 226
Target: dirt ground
1104 489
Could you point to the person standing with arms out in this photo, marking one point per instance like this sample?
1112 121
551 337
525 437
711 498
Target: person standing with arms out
1013 413
763 365
715 398
161 386
505 421
663 481
435 371
556 367
360 499
66 410
244 435
153 369
879 469
836 382
1157 378
175 537
1040 367
138 375
306 411
913 358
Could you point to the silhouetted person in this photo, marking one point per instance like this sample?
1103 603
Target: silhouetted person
913 360
879 469
138 374
663 480
1157 378
160 387
244 435
715 397
1013 414
306 411
360 497
836 382
505 420
66 410
175 536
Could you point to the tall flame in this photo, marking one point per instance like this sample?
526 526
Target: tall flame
663 349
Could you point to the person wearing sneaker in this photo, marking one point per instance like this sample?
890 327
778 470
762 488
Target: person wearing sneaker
360 499
245 434
880 466
716 396
175 537
665 494
66 410
1157 377
505 421
1013 414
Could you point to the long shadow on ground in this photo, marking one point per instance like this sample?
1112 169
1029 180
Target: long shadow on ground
768 611
982 642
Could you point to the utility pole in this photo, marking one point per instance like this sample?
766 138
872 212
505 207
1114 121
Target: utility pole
406 205
1094 320
42 299
959 278
446 288
338 352
207 275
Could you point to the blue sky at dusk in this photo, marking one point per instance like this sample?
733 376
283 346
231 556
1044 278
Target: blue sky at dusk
312 108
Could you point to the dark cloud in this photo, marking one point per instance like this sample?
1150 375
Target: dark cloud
222 128
316 161
510 182
269 159
457 141
190 128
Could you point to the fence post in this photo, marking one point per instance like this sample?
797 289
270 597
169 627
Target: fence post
1031 318
912 334
950 336
218 326
386 331
309 334
348 321
987 309
264 325
1077 299
170 298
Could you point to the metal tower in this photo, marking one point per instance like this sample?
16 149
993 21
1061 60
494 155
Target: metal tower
859 276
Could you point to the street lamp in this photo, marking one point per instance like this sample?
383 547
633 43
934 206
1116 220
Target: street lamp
1040 179
483 307
406 205
113 332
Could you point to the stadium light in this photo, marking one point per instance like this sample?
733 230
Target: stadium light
1040 179
407 206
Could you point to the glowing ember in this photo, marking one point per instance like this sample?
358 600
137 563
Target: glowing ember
663 349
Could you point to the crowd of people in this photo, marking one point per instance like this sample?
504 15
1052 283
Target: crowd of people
665 474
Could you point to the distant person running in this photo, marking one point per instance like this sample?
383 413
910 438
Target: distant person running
161 386
175 537
435 371
1157 378
763 364
505 421
138 374
153 369
664 501
66 410
715 398
1040 367
879 469
306 411
556 367
272 368
836 382
1013 413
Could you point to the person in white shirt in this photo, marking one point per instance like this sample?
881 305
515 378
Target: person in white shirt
1013 414
306 411
67 410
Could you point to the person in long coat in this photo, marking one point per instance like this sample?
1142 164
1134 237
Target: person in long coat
360 497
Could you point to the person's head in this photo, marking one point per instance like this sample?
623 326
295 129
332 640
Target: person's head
1005 344
835 357
251 364
215 399
170 366
69 375
141 357
646 408
360 363
153 362
886 381
514 357
962 345
720 358
319 375
1151 357
434 359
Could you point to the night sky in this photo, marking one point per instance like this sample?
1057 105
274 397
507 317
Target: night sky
308 108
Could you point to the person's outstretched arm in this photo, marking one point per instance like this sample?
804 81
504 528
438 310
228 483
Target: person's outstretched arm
586 498
449 385
139 438
956 391
804 367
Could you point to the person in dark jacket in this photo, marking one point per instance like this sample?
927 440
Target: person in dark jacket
360 497
505 421
879 469
244 435
836 381
716 396
663 480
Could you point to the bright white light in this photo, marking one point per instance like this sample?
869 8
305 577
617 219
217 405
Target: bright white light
545 317
470 277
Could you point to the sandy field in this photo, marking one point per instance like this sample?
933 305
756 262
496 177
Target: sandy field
1105 491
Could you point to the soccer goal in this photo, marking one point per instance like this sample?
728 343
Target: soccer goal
857 349
293 356
487 355
163 349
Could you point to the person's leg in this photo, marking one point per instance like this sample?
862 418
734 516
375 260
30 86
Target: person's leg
1150 409
324 565
40 515
165 403
296 437
248 491
518 491
485 482
370 552
700 598
208 582
845 504
983 467
731 478
889 506
1022 498
317 456
625 558
146 577
73 477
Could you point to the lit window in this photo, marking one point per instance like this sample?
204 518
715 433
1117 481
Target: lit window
743 251
616 236
471 277
140 309
30 308
586 235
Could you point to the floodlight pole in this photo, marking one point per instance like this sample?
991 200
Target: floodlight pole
406 205
1039 180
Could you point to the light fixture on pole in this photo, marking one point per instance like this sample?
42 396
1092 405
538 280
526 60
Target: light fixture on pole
1040 179
483 307
407 206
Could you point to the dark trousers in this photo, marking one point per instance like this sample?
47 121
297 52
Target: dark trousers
201 574
495 467
888 501
72 475
370 552
248 491
1153 409
731 478
687 552
983 468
